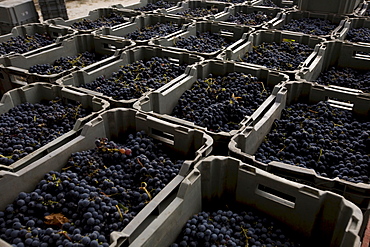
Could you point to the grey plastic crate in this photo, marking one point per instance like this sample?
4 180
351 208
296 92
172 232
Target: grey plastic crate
245 144
285 4
238 50
313 216
183 143
14 70
112 65
231 33
160 103
365 228
144 3
352 23
143 21
337 54
37 92
361 9
329 6
220 8
335 19
57 33
275 13
94 15
53 9
18 12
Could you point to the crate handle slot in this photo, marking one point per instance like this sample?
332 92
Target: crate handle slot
275 195
361 55
164 136
340 104
174 60
18 79
109 46
227 33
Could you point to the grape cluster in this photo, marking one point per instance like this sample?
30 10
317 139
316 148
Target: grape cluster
327 139
232 1
111 20
65 63
134 79
251 19
98 191
205 42
157 5
20 44
220 103
268 3
228 228
346 77
313 26
159 29
199 12
27 127
285 57
359 35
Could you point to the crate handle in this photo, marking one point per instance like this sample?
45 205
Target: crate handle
163 136
275 195
227 33
174 60
358 55
340 104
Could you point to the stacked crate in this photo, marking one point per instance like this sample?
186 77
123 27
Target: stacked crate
53 9
15 13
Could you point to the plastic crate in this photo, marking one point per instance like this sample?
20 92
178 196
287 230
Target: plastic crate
339 7
245 144
94 15
231 33
143 21
365 228
14 70
37 92
57 33
361 9
18 12
144 3
313 216
53 9
276 13
335 19
114 124
352 23
238 50
285 4
112 65
160 103
221 7
337 54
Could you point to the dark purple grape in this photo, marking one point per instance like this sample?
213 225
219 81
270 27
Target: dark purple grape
312 26
134 79
230 228
285 56
221 103
66 63
346 77
99 191
22 44
110 20
330 140
157 5
27 127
